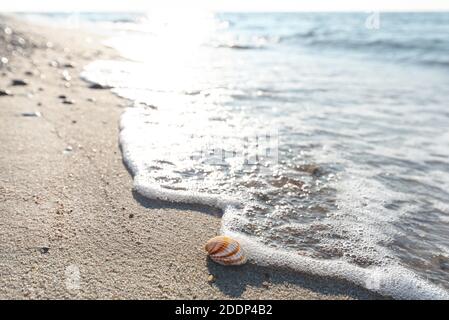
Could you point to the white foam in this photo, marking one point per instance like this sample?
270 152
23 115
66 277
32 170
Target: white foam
393 280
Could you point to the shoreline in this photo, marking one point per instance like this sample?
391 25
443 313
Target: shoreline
71 225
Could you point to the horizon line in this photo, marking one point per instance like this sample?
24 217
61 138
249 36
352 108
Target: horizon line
239 11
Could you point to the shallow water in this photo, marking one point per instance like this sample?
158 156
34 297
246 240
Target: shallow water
321 139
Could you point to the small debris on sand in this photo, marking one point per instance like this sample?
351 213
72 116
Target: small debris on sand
68 101
31 114
211 278
8 31
66 75
5 93
19 82
44 250
99 86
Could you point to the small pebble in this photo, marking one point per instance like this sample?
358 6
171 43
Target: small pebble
31 114
99 86
21 41
91 99
4 60
211 278
131 215
5 93
68 148
44 250
62 96
19 82
68 101
66 75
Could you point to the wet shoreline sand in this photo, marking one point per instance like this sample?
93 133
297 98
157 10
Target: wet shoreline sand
71 226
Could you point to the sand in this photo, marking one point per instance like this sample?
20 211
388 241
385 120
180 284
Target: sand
70 225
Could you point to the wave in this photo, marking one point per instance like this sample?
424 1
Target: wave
240 46
412 51
299 35
393 280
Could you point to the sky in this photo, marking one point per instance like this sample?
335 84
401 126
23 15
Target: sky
225 5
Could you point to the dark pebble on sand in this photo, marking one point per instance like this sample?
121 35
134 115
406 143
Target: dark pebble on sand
62 96
68 65
31 114
5 93
98 86
44 250
68 101
131 215
19 82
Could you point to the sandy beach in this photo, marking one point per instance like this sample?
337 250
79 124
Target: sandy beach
71 227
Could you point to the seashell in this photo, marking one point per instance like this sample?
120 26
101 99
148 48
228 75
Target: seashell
226 251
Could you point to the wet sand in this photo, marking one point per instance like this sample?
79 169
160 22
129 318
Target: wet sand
70 225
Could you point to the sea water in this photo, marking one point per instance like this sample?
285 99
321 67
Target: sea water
323 137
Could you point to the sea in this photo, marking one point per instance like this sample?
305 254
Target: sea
322 137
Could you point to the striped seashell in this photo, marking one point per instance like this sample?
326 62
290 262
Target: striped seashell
226 251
